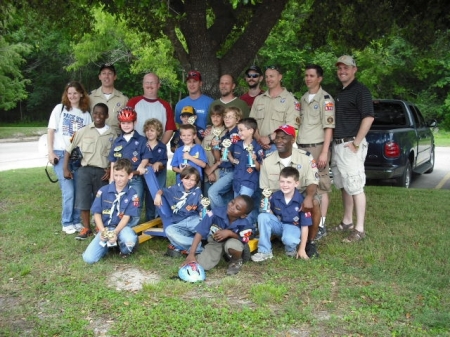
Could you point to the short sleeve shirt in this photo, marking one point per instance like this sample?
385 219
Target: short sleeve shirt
135 149
243 174
201 106
197 151
183 204
290 213
315 116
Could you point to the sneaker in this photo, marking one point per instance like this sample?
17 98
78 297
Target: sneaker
291 254
259 257
321 233
84 234
234 267
78 227
311 249
69 229
173 252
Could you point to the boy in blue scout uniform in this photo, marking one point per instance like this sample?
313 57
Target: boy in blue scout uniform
184 201
188 116
153 130
195 157
284 219
227 230
220 193
113 207
133 146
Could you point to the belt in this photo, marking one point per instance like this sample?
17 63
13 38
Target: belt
310 145
343 140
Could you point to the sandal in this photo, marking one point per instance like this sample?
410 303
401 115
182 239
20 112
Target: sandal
355 236
342 227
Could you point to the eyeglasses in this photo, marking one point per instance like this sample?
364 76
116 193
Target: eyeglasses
253 75
229 117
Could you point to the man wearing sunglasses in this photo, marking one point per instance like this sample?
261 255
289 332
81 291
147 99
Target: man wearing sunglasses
277 106
253 77
196 99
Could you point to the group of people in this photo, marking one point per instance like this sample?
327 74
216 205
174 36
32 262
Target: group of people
262 160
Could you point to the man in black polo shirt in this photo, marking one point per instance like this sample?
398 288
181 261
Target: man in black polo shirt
354 116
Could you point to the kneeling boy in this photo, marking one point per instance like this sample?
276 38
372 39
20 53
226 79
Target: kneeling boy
284 219
114 205
227 230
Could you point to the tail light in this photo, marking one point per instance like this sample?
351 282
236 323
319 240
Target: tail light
391 150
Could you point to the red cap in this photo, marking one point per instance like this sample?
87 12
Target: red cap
194 74
287 129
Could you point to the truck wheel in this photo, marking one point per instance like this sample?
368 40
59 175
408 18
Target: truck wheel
405 179
432 156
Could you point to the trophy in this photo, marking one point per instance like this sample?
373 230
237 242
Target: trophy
111 238
191 120
249 149
226 144
186 148
266 193
205 203
216 133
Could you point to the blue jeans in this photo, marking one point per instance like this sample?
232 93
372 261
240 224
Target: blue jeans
181 234
127 241
137 182
69 215
151 212
218 193
270 225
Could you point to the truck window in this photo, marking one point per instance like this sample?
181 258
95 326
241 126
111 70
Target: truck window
418 118
389 114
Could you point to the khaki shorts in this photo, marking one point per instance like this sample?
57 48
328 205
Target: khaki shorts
324 176
348 167
213 251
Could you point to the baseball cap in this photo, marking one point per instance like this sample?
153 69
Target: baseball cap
255 69
188 110
287 129
194 74
109 66
347 60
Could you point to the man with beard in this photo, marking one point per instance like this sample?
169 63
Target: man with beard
253 77
227 99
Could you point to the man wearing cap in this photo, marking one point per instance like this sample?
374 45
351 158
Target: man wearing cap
285 155
113 98
227 84
253 77
150 105
196 99
275 107
354 116
315 133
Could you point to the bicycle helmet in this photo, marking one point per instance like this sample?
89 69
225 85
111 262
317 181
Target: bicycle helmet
192 272
127 114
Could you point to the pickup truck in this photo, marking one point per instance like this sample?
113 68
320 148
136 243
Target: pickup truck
400 143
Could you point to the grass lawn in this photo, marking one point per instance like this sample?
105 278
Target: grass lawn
394 283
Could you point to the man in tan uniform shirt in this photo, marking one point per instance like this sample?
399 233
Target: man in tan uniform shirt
317 120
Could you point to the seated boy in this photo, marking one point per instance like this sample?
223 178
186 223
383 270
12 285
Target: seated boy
227 230
114 205
284 219
190 154
184 200
188 116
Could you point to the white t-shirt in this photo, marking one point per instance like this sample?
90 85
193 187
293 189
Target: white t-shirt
66 123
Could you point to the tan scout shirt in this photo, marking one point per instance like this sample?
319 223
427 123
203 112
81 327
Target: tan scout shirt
315 116
115 103
269 174
94 147
206 144
272 112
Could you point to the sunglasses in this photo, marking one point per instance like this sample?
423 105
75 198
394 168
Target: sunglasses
193 74
253 75
277 68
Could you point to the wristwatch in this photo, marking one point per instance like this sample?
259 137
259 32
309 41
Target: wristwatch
356 146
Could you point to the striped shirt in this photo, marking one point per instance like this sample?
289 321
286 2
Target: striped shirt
353 104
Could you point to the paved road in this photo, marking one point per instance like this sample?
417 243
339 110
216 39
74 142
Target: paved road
26 154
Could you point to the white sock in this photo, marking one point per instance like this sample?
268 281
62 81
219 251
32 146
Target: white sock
322 221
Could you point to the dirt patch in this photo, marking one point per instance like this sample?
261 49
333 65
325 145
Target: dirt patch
132 279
